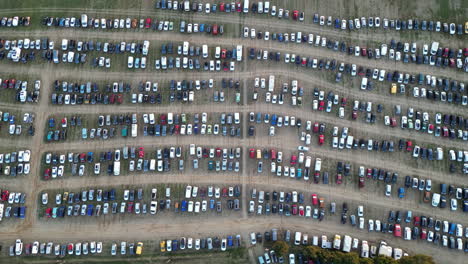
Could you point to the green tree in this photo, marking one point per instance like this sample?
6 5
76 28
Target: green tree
281 248
417 259
311 251
384 260
365 261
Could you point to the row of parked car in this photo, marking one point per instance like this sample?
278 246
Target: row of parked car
396 24
345 244
366 83
233 7
37 248
172 245
445 233
22 94
15 21
436 56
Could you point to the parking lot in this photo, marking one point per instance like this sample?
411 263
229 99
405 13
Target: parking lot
151 97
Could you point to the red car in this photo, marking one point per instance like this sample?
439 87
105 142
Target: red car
393 122
238 7
163 119
225 192
293 159
119 98
301 211
354 115
343 101
445 53
112 98
48 212
321 139
321 105
47 174
369 172
273 154
218 152
361 182
409 146
314 199
5 195
445 131
148 23
295 15
141 152
316 127
221 7
294 209
339 178
363 52
316 177
252 153
417 221
130 207
423 234
223 53
215 30
397 230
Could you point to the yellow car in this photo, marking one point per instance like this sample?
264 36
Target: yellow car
139 248
466 27
393 89
162 244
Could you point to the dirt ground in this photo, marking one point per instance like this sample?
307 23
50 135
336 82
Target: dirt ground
133 228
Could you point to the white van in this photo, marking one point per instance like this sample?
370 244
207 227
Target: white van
271 83
324 242
163 63
187 6
192 149
145 49
308 162
84 20
364 83
130 62
116 168
434 47
239 52
134 130
347 244
318 164
266 7
246 6
236 118
261 196
188 192
299 37
297 238
383 50
349 142
435 199
337 242
170 118
388 190
64 44
185 48
205 51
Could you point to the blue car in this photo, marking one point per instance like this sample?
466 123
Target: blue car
183 207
